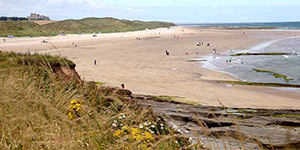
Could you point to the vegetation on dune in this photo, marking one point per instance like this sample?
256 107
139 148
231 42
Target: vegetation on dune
87 25
274 74
42 110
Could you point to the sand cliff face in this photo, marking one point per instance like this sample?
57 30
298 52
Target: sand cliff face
66 72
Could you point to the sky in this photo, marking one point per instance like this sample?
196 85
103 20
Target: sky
177 11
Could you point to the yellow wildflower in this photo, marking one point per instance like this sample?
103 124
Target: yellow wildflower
74 101
78 109
149 136
124 128
74 109
118 133
70 116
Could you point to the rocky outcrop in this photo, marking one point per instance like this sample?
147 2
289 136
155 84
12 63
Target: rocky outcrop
230 128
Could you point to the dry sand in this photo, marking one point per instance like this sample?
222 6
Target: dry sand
145 69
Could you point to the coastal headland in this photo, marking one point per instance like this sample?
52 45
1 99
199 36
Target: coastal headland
138 60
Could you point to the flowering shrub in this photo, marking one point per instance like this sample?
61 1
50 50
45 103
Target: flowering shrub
131 133
75 109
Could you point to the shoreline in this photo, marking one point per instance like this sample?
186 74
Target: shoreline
208 64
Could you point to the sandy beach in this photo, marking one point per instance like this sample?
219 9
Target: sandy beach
144 68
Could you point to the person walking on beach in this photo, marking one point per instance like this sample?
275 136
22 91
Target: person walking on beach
123 86
229 60
167 53
95 62
197 52
4 40
230 52
214 51
208 44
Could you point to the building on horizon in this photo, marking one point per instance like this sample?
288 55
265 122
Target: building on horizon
35 16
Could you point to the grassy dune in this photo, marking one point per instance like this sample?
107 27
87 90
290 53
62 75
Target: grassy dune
87 25
43 107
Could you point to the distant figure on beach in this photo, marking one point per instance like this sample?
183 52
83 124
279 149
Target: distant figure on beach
174 36
214 51
177 37
197 52
230 52
123 86
208 44
186 53
4 40
167 53
95 62
75 44
229 59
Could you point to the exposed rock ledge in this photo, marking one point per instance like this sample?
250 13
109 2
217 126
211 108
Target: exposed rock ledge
230 128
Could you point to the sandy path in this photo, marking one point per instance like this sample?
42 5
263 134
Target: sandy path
145 69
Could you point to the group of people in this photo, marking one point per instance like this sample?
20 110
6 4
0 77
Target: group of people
201 44
44 41
186 53
176 36
214 50
138 38
75 44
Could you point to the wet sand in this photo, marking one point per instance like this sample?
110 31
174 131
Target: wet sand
145 69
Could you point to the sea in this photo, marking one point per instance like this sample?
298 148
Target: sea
278 25
242 67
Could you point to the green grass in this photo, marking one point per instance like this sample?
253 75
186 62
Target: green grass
11 59
86 25
274 74
249 54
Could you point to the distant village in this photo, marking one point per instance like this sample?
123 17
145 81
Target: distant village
33 16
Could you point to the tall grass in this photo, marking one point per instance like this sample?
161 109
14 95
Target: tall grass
36 104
